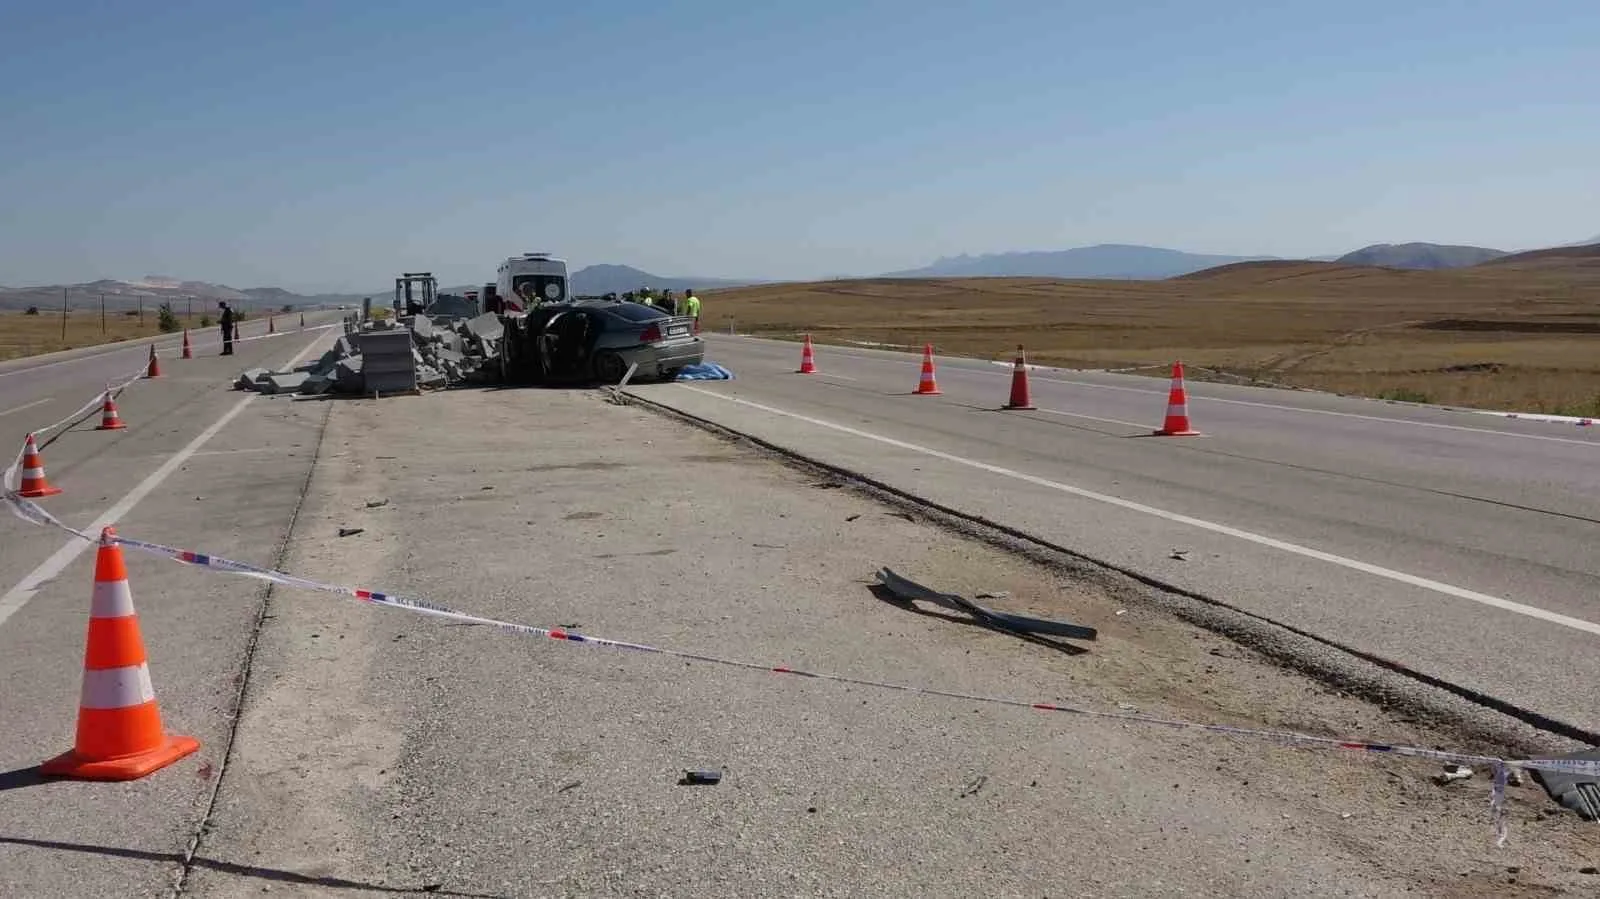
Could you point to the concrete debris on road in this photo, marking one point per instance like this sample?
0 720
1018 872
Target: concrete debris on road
416 353
1452 773
909 591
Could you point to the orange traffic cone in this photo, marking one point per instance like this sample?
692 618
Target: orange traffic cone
154 371
808 359
109 419
1020 396
187 352
34 483
1177 423
927 385
119 724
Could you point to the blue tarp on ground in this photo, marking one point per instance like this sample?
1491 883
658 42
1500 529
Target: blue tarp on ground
705 371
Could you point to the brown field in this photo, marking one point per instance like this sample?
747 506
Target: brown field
29 335
1519 335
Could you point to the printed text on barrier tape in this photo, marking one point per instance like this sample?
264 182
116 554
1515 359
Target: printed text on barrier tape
1500 767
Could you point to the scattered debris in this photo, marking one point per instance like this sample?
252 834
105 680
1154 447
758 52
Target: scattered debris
418 352
1121 612
1182 555
1452 773
910 591
1127 707
571 786
994 594
703 776
350 532
852 517
377 504
974 786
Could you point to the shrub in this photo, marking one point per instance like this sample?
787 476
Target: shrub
166 319
1404 395
32 310
205 321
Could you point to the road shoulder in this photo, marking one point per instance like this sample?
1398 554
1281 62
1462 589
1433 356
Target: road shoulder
380 751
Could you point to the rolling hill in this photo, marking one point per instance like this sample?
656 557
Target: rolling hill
606 278
1425 256
1112 261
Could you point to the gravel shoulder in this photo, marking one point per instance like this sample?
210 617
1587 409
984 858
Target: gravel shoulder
383 753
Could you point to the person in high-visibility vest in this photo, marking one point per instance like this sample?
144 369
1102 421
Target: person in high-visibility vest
691 305
645 298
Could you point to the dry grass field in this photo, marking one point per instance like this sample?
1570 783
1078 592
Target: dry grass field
29 335
1518 334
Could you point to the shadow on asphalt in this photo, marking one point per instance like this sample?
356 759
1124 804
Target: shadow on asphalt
22 777
883 594
272 874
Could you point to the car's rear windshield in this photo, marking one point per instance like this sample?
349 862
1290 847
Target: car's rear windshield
635 312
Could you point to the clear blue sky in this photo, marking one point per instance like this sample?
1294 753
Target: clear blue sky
330 145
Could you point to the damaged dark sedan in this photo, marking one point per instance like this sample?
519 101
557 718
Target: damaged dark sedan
597 342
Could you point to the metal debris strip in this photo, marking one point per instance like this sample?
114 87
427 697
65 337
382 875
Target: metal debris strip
911 591
1577 791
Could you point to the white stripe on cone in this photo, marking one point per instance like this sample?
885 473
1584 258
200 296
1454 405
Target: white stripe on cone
112 599
117 688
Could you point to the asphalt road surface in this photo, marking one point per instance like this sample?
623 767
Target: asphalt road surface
1460 545
191 467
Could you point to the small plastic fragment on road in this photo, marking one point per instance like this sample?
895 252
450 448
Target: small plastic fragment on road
350 532
377 503
701 777
1452 773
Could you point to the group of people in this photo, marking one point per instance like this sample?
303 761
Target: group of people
689 305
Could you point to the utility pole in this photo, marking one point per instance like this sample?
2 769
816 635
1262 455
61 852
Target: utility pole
102 313
141 311
63 315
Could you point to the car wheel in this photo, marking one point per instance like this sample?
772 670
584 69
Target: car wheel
608 367
670 374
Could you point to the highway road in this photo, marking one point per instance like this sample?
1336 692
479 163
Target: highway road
1457 544
198 465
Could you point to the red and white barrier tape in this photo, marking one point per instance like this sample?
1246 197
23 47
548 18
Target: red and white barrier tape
32 512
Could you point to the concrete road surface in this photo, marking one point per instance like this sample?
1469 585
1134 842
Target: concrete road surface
1459 545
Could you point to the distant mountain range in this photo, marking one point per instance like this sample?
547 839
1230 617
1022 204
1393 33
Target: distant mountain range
597 280
1109 261
152 290
1118 261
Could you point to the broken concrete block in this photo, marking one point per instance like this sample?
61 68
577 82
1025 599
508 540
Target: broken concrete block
428 376
422 327
285 382
316 385
486 327
347 375
250 378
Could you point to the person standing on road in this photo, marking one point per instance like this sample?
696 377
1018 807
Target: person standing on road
227 327
691 306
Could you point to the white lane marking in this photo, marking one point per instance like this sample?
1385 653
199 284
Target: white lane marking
1214 527
1198 399
1113 421
26 406
18 596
